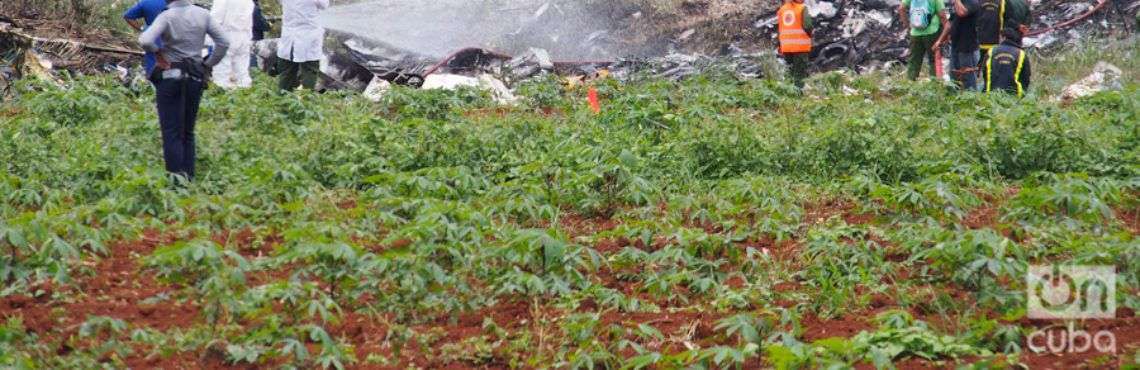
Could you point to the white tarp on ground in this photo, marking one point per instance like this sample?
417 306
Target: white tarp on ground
499 91
497 88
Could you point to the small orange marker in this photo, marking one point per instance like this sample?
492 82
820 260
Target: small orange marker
938 64
592 98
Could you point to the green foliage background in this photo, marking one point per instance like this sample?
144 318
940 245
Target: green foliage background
436 203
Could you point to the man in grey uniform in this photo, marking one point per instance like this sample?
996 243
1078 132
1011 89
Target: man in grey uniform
180 76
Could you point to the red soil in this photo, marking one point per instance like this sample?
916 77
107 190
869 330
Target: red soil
1130 218
820 212
697 327
346 204
116 289
1125 329
612 246
576 225
785 251
981 218
816 328
243 242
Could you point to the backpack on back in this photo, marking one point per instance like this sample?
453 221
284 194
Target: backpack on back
920 14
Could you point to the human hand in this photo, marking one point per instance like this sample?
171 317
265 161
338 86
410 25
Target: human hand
161 62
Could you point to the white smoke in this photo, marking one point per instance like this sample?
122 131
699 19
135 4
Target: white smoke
569 30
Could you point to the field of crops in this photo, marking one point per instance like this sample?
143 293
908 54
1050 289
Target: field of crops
710 223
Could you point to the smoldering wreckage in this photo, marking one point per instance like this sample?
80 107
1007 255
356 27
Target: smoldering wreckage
858 35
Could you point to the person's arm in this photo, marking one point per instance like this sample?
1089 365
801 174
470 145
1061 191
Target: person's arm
1026 74
960 9
945 33
221 44
904 10
903 17
807 23
135 24
132 17
150 38
945 29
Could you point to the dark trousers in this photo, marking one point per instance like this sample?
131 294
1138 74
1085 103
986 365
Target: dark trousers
177 102
797 67
964 68
921 49
293 74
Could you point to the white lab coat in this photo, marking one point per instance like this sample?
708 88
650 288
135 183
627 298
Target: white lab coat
302 38
236 19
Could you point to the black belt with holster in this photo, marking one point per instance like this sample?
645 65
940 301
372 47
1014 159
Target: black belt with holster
185 69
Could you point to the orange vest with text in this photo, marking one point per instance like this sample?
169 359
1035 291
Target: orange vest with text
793 38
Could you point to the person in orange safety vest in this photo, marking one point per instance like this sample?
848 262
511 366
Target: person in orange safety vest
795 27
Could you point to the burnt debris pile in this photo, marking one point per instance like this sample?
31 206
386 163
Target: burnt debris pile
856 34
404 41
535 38
867 34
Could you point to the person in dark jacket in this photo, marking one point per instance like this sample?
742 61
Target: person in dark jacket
261 26
996 16
963 37
1008 68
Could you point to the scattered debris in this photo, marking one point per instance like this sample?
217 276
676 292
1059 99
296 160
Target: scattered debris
526 40
376 89
1043 41
684 36
1105 77
859 34
822 9
7 75
533 63
498 89
76 54
680 66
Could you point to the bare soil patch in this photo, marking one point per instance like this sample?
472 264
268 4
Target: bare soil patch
1130 218
846 327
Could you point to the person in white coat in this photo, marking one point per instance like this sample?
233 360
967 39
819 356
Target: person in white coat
301 45
236 19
